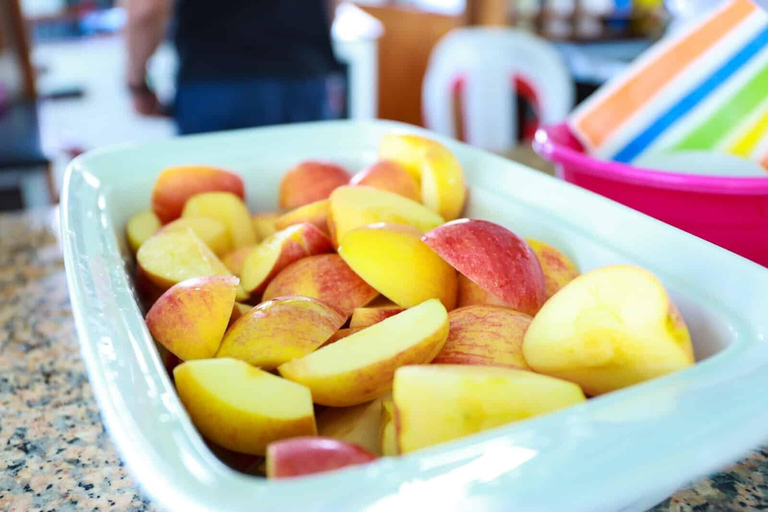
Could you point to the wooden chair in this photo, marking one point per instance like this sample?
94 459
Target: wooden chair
23 167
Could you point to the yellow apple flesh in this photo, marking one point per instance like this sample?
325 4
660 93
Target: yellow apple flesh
243 408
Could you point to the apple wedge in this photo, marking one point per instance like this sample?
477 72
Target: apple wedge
264 225
393 260
439 403
485 335
367 316
353 207
494 258
190 318
359 424
388 432
212 232
238 310
310 181
326 277
608 329
226 208
280 250
360 367
558 269
140 227
170 257
439 173
175 185
310 455
315 213
388 175
280 330
243 408
471 294
235 260
342 333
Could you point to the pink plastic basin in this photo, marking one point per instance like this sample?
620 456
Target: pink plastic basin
729 212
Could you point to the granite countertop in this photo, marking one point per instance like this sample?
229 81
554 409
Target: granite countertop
54 452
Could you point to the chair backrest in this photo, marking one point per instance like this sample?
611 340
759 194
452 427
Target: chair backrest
489 62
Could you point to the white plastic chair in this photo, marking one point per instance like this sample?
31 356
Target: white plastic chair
489 61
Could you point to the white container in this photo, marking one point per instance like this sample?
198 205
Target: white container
623 451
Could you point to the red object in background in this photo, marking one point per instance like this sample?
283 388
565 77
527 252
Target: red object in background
308 455
729 212
526 97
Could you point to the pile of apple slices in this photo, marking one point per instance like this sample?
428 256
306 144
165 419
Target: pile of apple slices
368 313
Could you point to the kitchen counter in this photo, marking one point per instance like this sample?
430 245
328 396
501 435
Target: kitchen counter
54 451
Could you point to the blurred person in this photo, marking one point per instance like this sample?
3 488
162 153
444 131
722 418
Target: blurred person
242 63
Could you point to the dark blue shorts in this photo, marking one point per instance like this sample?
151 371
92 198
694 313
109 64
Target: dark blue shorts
213 106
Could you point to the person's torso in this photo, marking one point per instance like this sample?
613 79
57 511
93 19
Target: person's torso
234 39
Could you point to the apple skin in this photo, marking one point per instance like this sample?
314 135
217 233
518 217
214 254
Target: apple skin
278 251
388 175
485 335
494 258
280 330
325 277
301 456
175 185
558 269
190 318
310 181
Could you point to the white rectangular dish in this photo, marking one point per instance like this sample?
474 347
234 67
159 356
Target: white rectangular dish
623 451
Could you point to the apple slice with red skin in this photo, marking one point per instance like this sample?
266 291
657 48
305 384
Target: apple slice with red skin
494 258
300 456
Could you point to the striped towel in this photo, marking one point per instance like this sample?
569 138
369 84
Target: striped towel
705 88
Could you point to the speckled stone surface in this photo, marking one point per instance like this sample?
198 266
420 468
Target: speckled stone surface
54 452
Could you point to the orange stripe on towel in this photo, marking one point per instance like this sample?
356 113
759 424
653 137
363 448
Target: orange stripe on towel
623 102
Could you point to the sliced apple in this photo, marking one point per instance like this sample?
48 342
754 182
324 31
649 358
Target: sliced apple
393 259
342 333
140 227
558 269
471 294
191 317
175 185
443 188
315 213
326 277
280 250
238 310
360 367
310 181
388 175
226 208
264 225
388 432
310 455
280 330
211 231
439 403
494 258
243 408
353 207
485 335
359 424
608 329
170 257
235 260
366 317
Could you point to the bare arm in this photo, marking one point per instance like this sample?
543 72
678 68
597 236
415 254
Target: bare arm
145 30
